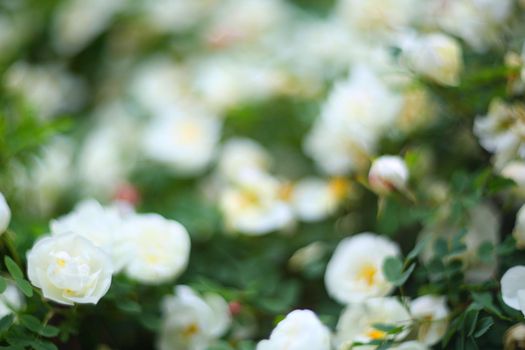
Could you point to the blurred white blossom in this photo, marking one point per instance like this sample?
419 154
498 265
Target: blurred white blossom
300 329
159 248
254 205
192 322
357 321
431 314
185 140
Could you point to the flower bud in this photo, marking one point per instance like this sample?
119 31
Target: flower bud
388 173
5 214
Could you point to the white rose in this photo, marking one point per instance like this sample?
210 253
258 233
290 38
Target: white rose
515 170
10 301
432 314
355 271
378 17
519 228
101 226
191 322
254 205
436 56
159 248
69 269
5 214
357 321
315 199
513 288
241 154
301 329
388 173
184 140
357 112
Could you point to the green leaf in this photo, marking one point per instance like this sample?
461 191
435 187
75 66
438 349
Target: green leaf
483 326
43 345
486 252
13 268
393 271
31 322
393 268
418 248
24 286
3 284
50 331
485 300
129 306
388 328
6 322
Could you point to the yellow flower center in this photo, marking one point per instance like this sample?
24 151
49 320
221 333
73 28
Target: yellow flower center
190 330
189 132
249 198
61 262
368 274
285 191
339 187
375 334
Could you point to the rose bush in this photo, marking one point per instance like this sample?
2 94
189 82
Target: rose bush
262 174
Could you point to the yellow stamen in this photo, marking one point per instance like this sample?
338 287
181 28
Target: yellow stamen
367 274
339 187
375 334
285 191
190 330
61 262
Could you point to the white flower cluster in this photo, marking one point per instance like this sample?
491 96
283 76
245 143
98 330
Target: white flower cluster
255 202
75 263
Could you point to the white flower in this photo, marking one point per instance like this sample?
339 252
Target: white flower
245 20
513 288
432 314
515 171
10 301
388 173
501 130
184 140
301 329
478 22
355 271
315 199
191 322
377 17
356 323
106 157
242 154
358 111
77 22
157 84
5 214
436 56
159 248
222 82
519 228
175 16
254 205
69 269
49 89
101 226
48 175
483 226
